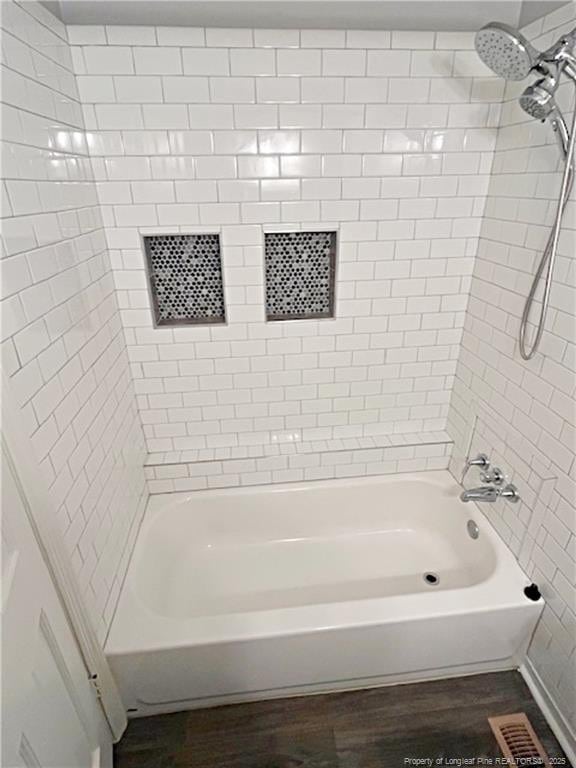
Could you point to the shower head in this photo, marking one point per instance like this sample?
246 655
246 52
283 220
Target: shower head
505 51
538 99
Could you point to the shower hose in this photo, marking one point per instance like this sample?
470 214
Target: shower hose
528 350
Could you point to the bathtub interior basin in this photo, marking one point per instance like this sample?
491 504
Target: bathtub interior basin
265 549
250 593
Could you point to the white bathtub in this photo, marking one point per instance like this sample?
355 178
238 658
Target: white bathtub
252 593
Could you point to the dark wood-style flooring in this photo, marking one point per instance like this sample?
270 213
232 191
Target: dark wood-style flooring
375 728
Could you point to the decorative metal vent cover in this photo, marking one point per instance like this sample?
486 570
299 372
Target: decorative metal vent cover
518 740
300 269
185 273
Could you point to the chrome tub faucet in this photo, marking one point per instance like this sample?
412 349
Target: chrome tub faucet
494 479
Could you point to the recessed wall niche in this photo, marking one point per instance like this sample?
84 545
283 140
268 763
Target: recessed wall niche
185 276
300 275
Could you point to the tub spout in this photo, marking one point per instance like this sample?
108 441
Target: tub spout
490 493
486 493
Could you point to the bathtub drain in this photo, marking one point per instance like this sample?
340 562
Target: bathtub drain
432 579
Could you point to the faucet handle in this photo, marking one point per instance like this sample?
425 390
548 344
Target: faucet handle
481 460
510 493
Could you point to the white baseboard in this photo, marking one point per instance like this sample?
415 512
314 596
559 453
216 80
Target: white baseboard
555 719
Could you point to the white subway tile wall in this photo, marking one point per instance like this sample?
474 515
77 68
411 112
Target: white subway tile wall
526 410
247 131
62 340
390 138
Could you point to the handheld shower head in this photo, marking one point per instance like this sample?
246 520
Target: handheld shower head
538 99
505 51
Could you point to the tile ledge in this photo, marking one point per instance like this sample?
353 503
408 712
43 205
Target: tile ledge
264 450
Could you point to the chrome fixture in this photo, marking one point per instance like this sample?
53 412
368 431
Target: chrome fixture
537 100
491 493
512 57
505 51
494 476
485 493
473 530
510 493
481 460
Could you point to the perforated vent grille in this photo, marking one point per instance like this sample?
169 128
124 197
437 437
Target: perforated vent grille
518 741
185 273
300 268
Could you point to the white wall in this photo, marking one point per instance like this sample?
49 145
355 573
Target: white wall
63 345
387 137
526 410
